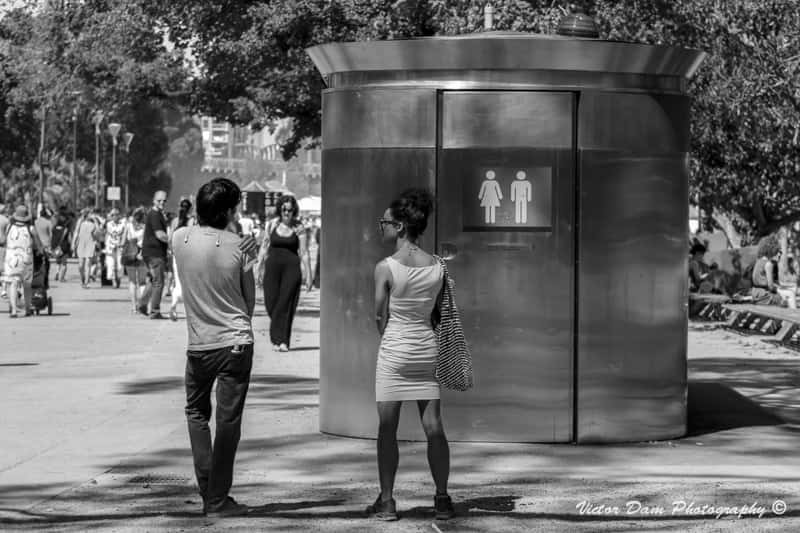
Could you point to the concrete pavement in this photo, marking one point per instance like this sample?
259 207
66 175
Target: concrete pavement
94 439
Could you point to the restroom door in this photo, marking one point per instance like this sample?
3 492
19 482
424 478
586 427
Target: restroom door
505 222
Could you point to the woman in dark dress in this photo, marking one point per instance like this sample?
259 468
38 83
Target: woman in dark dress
60 246
279 263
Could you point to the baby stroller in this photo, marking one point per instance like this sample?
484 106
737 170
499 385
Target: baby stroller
40 300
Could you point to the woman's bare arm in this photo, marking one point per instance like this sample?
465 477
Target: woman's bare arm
383 285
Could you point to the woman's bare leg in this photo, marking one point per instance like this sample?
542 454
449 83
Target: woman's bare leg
13 293
27 293
438 448
388 453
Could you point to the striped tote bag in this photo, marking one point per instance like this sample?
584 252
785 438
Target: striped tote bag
454 362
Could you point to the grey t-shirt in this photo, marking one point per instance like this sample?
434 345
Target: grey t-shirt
210 268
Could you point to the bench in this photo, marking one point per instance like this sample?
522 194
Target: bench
781 323
708 307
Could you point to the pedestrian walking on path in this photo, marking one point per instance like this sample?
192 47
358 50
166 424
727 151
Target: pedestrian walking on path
408 287
219 296
21 240
183 220
60 249
154 253
83 244
279 260
132 260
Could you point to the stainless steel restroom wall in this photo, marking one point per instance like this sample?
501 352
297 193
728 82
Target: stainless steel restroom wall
633 216
376 143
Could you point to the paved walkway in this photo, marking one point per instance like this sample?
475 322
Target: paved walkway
94 439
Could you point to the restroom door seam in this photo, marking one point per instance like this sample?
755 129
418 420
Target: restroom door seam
576 263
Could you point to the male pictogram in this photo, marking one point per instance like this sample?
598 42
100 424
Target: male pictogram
490 196
521 194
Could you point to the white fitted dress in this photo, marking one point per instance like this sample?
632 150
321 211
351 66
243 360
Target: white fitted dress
407 355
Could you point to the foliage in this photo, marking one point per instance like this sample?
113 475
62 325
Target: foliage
745 113
73 58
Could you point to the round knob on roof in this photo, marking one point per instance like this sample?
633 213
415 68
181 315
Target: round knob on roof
578 25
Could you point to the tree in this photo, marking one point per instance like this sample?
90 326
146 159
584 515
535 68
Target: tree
77 57
253 69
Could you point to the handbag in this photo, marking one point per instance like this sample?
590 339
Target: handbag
454 362
130 253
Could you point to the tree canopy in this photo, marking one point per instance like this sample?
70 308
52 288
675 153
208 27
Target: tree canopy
65 61
244 61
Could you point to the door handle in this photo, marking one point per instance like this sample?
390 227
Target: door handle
447 251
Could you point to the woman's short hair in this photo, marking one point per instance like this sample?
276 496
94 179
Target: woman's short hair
769 246
288 199
413 207
214 200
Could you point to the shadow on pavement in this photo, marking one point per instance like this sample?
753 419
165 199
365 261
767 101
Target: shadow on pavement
274 387
716 407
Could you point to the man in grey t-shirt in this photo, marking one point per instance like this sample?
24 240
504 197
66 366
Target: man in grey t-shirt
219 297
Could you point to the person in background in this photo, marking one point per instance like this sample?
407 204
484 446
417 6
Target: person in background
60 245
765 273
83 245
279 269
787 272
246 223
154 252
184 219
169 278
219 292
44 230
317 238
256 225
115 230
136 269
4 224
21 241
98 261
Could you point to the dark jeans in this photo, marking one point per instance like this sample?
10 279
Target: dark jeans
156 266
214 466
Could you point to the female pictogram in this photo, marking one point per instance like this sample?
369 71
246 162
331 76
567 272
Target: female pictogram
521 194
490 196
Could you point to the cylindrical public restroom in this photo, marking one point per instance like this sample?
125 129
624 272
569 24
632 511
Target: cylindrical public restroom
571 273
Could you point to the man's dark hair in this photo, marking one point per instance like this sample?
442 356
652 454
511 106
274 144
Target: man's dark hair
214 200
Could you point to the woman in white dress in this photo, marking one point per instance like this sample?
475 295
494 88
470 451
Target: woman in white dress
408 286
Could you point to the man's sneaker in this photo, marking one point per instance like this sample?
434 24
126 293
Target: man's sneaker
385 511
142 310
444 507
228 508
157 316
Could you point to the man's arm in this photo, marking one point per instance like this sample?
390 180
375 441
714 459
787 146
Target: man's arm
161 228
249 291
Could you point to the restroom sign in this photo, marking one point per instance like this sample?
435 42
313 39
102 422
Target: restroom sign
507 198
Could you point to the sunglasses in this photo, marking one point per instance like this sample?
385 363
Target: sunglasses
384 221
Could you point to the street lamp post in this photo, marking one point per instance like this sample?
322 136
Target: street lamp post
127 137
41 154
73 170
114 129
97 118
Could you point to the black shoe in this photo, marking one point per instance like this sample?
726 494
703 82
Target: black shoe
385 511
142 309
228 508
444 507
157 316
